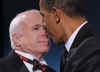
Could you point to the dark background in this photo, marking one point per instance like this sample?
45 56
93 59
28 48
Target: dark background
9 9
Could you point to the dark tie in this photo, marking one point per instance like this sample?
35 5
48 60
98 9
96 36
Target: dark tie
63 59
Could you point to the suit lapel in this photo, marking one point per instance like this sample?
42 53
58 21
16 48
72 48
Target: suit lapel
82 36
17 63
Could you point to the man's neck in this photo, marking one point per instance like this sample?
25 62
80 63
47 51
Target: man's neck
71 24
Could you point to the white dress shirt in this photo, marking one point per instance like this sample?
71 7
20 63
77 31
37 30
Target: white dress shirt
72 37
28 65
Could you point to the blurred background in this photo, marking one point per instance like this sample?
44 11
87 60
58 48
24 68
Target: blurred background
9 9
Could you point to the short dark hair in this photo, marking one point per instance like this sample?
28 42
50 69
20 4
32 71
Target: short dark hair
69 7
48 4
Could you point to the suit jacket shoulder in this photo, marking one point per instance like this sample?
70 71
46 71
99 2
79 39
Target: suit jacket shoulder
84 55
12 63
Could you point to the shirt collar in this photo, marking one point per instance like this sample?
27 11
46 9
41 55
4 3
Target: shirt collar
29 56
72 37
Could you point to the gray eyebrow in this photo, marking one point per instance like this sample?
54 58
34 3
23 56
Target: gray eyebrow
37 25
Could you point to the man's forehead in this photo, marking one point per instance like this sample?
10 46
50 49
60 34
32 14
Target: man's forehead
39 24
34 20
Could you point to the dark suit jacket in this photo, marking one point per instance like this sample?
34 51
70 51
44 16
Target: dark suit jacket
84 55
13 63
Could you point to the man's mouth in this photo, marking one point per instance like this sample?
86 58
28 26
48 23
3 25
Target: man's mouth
44 42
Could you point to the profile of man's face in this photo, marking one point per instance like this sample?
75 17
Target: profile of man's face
53 28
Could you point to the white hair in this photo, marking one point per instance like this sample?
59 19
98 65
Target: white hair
15 25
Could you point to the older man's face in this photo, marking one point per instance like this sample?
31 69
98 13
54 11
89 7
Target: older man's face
35 38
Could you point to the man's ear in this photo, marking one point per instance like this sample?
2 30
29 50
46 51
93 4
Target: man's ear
57 14
16 39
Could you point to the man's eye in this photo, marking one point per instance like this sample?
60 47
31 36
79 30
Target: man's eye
36 28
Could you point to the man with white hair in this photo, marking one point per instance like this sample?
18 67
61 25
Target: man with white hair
29 41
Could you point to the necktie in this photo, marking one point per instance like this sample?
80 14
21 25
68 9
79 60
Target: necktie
36 64
63 59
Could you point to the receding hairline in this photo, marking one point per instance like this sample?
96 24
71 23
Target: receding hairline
20 18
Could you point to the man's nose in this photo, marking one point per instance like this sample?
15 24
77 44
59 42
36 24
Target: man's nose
44 31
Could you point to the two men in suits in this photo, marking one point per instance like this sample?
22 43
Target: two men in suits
29 42
66 22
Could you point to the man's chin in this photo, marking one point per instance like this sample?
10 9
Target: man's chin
58 42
